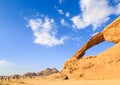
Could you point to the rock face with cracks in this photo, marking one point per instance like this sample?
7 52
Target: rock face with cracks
104 65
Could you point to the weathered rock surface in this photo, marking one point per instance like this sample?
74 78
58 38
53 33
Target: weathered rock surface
112 32
106 65
77 67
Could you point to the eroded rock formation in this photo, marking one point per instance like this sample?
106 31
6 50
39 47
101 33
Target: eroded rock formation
110 33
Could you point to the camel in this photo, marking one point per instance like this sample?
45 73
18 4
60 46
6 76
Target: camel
16 77
1 78
5 78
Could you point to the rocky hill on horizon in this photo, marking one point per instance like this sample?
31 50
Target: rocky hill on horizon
46 72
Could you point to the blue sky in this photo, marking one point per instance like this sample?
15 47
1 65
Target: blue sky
36 34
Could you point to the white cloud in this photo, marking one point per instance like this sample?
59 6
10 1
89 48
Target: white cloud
64 23
60 11
4 63
60 2
117 11
94 12
45 31
67 14
78 22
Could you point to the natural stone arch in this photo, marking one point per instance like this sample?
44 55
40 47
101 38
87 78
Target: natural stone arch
110 33
98 38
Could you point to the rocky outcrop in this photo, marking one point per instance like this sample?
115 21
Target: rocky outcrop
98 38
106 65
110 33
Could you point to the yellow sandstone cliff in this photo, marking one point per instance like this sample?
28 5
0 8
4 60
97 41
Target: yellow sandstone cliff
105 65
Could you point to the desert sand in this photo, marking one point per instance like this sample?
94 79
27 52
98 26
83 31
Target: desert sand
39 81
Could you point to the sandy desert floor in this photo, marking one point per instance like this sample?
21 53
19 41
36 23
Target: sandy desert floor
38 81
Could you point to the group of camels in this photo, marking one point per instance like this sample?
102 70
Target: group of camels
8 78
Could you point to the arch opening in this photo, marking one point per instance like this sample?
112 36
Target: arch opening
99 48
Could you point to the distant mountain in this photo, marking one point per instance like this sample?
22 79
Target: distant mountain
47 71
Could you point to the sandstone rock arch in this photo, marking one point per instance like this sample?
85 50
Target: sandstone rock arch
98 38
110 33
